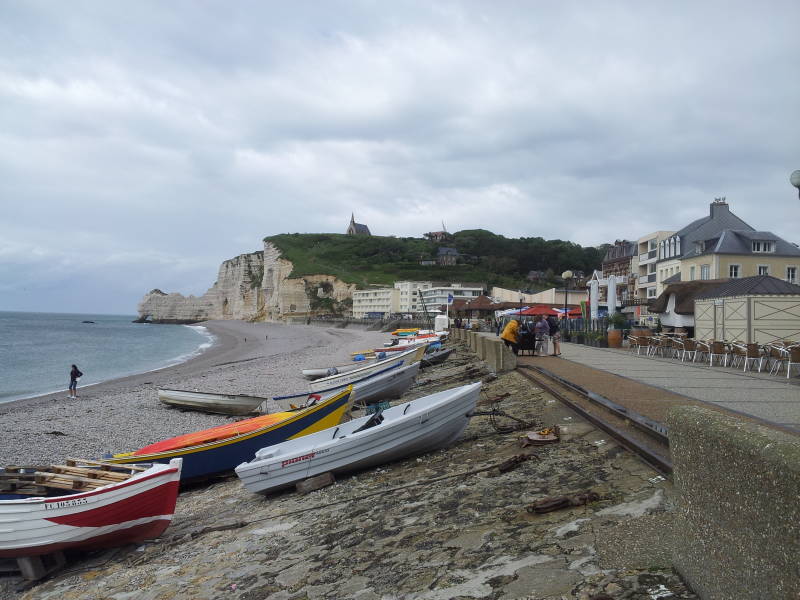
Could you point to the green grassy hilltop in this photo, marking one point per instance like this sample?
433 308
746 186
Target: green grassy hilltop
484 257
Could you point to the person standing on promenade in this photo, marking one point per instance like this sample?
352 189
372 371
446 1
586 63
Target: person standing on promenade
74 375
542 330
510 335
555 335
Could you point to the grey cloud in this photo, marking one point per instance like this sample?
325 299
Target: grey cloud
166 135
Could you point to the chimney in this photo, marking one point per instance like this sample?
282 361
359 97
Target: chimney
718 206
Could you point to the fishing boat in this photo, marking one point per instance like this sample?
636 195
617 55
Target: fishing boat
223 404
220 449
436 356
414 427
113 508
375 357
391 382
317 372
395 360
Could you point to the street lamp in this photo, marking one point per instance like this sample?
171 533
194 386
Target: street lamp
566 276
794 179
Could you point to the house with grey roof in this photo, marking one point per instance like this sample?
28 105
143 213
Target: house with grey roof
722 246
673 249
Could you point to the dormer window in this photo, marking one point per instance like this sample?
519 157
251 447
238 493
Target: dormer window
763 246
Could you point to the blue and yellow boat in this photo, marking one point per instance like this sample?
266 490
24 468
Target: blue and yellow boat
220 449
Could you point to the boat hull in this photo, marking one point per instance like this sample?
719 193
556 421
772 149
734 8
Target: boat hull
382 386
408 429
130 511
340 379
223 404
221 456
436 357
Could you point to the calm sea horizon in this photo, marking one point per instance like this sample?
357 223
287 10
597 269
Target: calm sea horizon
38 349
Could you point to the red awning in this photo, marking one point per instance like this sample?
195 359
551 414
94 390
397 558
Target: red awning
548 311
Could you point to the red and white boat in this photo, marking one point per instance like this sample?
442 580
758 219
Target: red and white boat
128 511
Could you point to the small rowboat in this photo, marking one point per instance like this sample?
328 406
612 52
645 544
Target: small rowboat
436 357
320 372
223 404
118 508
220 449
404 358
391 382
415 427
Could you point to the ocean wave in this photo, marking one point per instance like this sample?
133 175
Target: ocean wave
210 341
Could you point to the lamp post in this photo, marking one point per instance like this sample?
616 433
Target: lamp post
794 179
566 276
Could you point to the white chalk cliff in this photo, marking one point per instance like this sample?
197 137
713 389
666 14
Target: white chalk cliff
253 287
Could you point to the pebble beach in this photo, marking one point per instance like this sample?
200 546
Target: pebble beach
258 359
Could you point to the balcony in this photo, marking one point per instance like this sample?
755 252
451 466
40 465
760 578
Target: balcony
646 257
649 278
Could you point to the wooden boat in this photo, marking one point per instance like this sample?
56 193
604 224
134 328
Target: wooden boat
223 404
221 448
391 382
410 428
395 360
113 508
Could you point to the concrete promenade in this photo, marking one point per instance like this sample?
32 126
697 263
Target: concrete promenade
768 397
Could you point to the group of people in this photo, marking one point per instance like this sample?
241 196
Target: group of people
543 330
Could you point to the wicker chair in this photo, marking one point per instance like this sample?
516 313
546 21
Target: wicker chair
752 355
702 350
794 359
718 349
689 347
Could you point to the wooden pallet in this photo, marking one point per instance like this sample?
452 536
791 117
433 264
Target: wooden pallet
70 476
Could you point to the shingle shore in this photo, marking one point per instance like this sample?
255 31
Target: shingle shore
125 414
439 526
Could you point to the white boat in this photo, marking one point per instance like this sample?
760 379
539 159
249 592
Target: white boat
410 428
318 372
127 510
391 382
326 371
395 360
224 404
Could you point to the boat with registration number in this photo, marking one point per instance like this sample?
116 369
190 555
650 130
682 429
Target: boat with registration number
410 428
115 509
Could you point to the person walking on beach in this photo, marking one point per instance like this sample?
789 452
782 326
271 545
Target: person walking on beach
74 375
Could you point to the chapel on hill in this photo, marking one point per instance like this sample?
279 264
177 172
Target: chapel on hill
357 228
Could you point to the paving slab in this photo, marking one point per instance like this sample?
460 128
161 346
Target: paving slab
669 381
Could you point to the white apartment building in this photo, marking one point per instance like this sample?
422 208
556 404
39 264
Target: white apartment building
436 295
409 295
375 302
499 294
648 254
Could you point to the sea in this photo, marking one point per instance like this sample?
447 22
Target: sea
38 349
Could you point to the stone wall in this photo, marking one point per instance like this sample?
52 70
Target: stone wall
738 519
254 286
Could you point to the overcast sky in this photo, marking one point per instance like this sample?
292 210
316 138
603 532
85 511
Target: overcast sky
142 143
